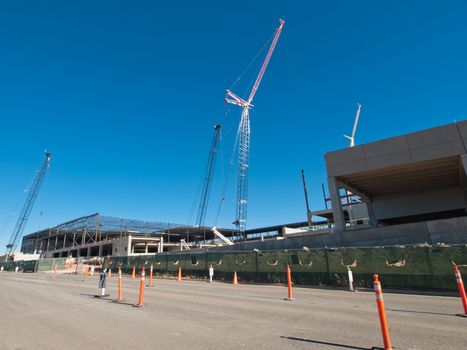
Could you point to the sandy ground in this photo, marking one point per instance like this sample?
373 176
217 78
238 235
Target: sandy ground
39 312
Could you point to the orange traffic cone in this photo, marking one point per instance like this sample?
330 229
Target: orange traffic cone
133 273
119 298
382 313
235 282
141 289
179 278
289 283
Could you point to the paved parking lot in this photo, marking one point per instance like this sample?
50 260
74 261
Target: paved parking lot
39 312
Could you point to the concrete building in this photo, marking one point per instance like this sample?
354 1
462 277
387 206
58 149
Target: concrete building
410 178
404 190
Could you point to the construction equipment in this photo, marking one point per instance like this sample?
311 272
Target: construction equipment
203 203
244 137
354 130
221 236
28 205
308 212
349 195
184 244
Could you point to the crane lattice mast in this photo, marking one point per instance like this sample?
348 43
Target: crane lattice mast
28 204
244 137
206 190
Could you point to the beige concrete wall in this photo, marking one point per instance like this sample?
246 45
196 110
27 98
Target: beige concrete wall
405 204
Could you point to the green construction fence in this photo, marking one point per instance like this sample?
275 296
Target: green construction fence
411 267
421 267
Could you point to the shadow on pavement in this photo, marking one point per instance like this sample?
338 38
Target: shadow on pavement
112 300
421 312
330 344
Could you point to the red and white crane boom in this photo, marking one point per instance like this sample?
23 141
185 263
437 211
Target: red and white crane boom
244 136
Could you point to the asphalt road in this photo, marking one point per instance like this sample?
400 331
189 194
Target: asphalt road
38 312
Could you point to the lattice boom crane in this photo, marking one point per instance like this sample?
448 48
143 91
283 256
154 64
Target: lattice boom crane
244 136
28 205
206 190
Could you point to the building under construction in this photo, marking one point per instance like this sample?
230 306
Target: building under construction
407 189
96 235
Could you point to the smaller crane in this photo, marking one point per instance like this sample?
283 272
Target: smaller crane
206 190
28 205
308 212
357 116
349 195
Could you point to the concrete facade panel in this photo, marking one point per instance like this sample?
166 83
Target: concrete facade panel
436 231
439 150
389 159
462 129
383 147
345 155
334 170
433 136
448 230
408 204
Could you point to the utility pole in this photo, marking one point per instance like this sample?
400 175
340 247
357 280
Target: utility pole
308 213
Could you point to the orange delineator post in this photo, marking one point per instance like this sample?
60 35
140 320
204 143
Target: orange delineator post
235 282
141 289
460 285
179 278
133 273
119 297
289 282
382 313
150 275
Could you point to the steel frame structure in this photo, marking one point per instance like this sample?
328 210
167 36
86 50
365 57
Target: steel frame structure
91 229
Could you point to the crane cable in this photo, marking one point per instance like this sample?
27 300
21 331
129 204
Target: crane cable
251 62
226 180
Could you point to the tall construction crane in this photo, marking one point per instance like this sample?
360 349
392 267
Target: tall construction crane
206 190
354 130
244 136
27 207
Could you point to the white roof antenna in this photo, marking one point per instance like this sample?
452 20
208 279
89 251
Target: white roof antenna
352 138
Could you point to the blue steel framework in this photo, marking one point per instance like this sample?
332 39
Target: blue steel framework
91 229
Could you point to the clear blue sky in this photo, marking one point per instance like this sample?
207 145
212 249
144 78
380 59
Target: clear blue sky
125 94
